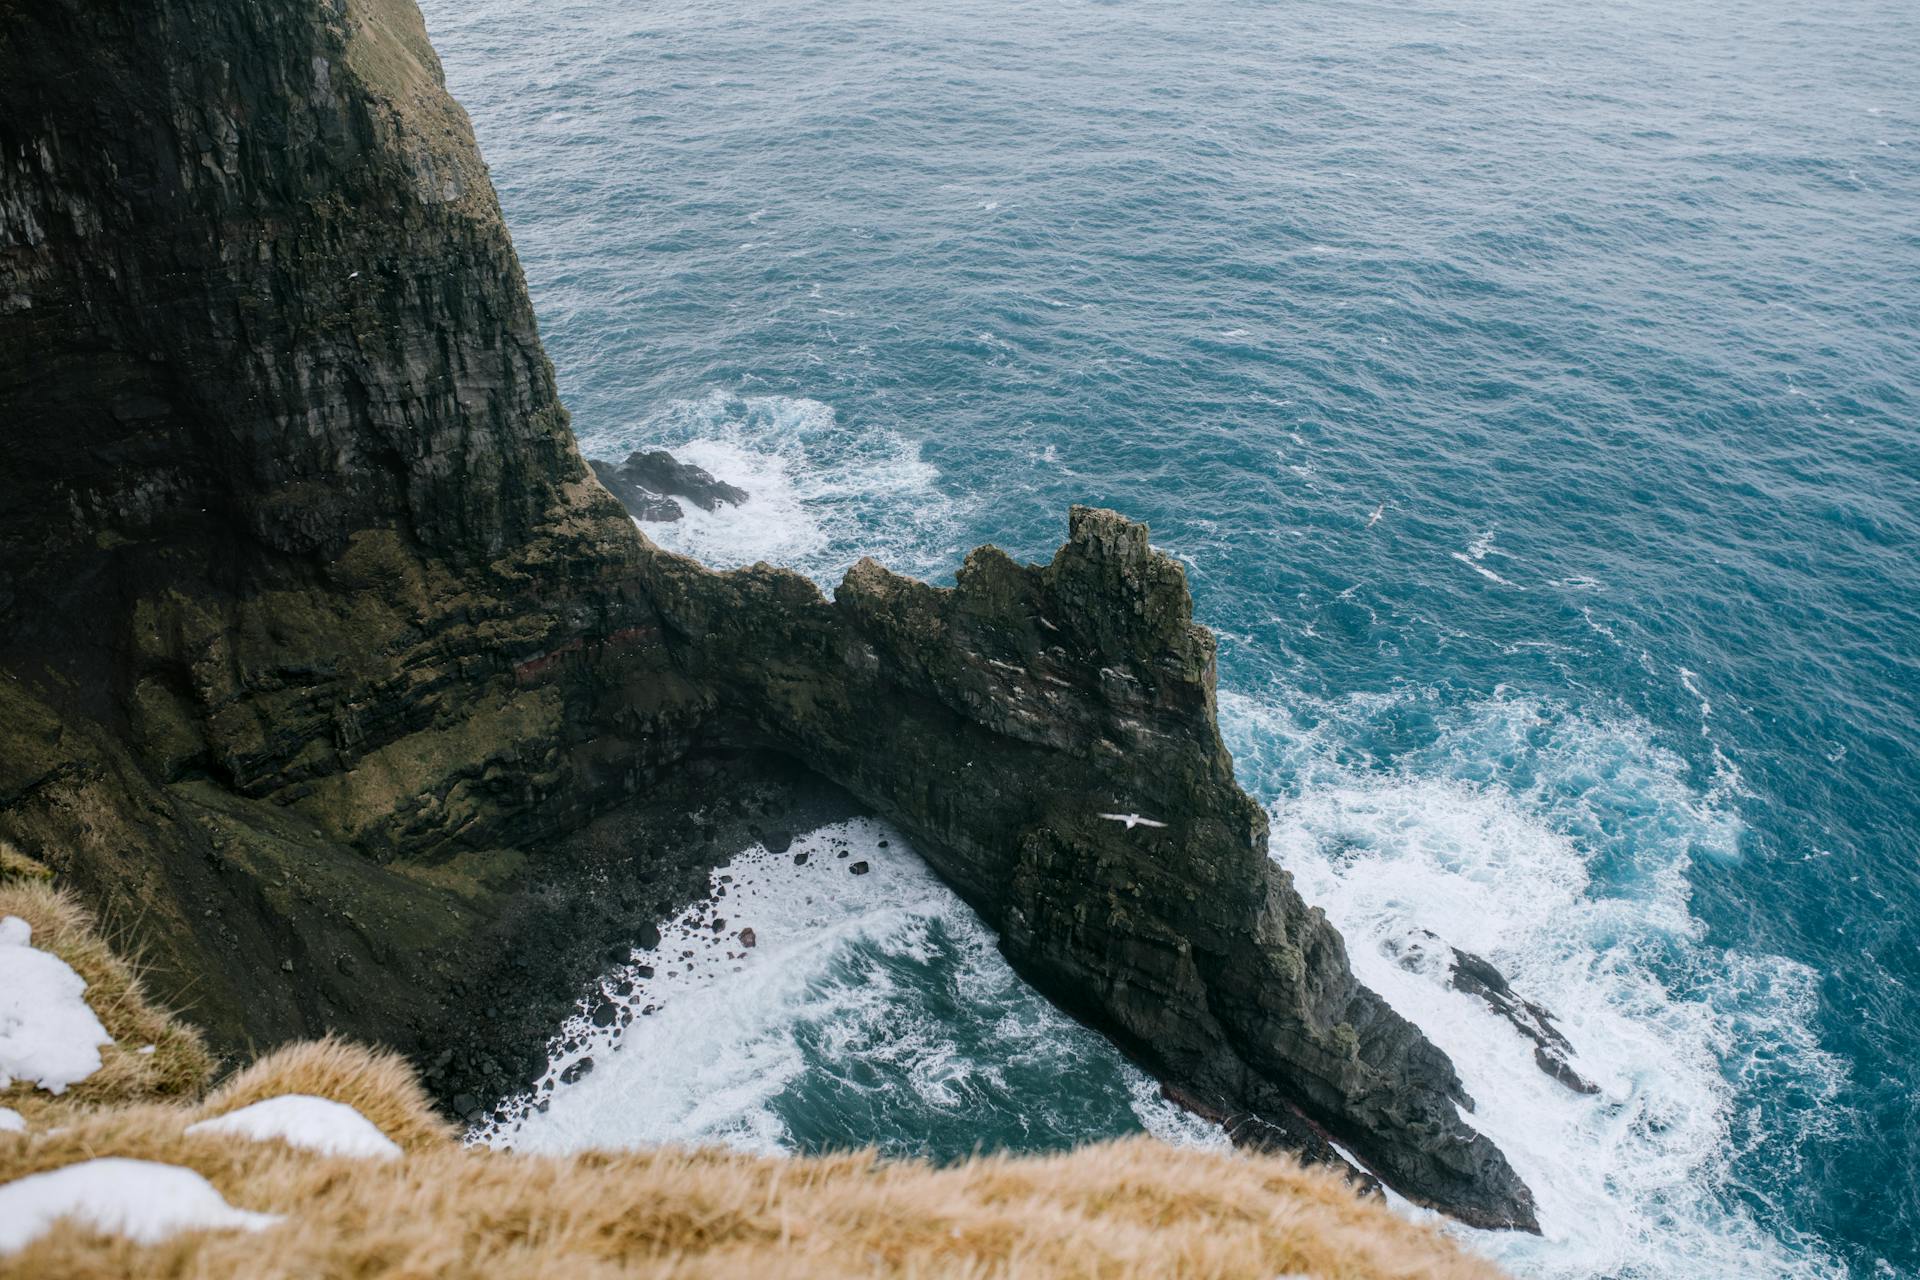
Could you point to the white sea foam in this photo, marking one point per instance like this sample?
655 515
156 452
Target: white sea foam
1476 553
1559 848
718 1035
822 494
1480 569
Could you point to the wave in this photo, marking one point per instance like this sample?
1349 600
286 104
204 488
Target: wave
873 1009
823 493
1558 846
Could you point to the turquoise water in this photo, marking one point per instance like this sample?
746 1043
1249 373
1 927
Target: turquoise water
1531 394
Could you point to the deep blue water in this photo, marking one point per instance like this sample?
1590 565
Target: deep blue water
1533 394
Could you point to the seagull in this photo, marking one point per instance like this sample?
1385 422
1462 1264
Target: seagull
1378 511
1132 820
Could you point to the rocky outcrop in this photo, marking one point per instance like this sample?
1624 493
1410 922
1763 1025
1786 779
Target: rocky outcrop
1006 723
1423 951
649 480
324 653
641 503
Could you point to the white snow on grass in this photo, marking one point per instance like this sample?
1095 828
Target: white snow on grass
12 1121
47 1033
304 1121
139 1199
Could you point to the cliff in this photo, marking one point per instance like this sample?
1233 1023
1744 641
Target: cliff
325 656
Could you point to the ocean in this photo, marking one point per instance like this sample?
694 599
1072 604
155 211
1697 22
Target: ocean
1532 393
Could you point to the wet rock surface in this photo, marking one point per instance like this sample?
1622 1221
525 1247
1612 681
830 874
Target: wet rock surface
641 503
1424 951
591 907
649 480
332 677
1551 1049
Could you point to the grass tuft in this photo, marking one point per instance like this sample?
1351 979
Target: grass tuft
179 1065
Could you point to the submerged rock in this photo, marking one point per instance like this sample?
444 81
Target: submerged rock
1423 951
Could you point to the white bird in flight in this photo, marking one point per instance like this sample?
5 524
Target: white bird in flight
1132 820
1378 511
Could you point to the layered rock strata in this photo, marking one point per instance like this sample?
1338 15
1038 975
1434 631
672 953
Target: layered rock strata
320 638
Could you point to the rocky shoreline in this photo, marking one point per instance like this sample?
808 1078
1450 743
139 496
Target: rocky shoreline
333 677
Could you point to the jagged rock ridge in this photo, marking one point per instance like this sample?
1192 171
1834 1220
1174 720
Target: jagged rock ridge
319 635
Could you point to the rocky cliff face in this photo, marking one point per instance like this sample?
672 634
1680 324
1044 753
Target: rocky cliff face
319 637
285 495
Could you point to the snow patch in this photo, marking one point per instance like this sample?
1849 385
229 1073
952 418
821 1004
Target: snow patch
47 1033
140 1199
310 1123
12 1121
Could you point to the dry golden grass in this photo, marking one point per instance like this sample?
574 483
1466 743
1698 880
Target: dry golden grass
380 1085
179 1065
1134 1208
15 865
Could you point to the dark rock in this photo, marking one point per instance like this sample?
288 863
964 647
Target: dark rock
641 503
659 471
859 868
604 1013
777 841
577 1071
645 481
1476 976
644 970
1562 1070
649 936
747 938
800 859
465 1104
719 924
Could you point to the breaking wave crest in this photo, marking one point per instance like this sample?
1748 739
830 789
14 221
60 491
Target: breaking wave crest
872 1009
1559 847
823 492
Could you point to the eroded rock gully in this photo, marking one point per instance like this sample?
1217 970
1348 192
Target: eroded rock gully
323 650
